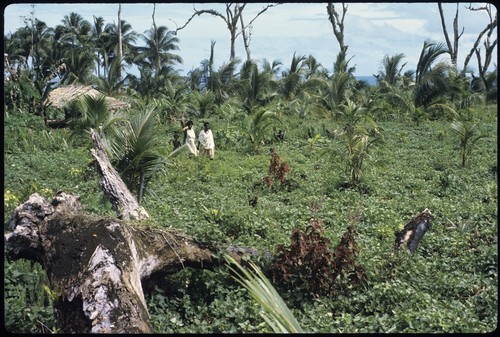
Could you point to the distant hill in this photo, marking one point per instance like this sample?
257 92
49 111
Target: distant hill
371 80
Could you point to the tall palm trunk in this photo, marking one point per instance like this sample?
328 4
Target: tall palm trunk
120 41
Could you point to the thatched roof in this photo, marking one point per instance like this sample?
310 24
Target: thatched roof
59 97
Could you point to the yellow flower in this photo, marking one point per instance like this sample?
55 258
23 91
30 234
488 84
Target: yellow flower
10 199
74 171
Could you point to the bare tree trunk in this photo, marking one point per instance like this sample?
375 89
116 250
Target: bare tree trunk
337 21
490 46
120 41
231 19
246 38
414 231
452 48
97 266
123 202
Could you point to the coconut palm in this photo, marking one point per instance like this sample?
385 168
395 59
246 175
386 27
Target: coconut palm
79 67
359 133
313 68
202 103
135 150
256 126
468 135
129 38
219 81
255 88
271 67
431 78
173 102
74 33
291 79
99 37
91 113
158 52
390 74
111 84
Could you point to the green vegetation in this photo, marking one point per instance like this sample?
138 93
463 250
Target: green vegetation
321 206
449 285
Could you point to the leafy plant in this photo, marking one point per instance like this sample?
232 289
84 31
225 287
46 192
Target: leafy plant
257 125
468 137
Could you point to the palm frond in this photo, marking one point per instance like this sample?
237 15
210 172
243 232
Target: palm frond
276 313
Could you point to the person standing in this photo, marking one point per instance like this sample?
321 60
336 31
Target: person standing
206 139
176 142
190 136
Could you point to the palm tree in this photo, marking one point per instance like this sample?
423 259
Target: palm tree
157 54
313 68
256 126
203 102
271 68
217 81
75 32
255 88
111 83
431 78
468 137
390 73
79 67
92 113
99 37
359 134
174 101
135 150
332 92
129 38
291 79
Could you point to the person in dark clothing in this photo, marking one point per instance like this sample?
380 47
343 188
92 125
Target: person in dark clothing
176 142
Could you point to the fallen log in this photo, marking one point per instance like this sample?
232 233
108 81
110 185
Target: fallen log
414 230
97 265
122 200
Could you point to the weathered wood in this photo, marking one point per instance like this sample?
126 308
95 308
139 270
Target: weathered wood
96 265
122 200
414 230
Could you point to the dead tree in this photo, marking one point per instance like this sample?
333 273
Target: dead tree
233 16
97 266
337 21
452 48
485 35
414 231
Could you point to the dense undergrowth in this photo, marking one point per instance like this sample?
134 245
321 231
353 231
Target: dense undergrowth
449 285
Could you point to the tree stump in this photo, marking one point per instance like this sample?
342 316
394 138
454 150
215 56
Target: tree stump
414 230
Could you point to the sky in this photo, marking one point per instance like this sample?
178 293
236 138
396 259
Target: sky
372 30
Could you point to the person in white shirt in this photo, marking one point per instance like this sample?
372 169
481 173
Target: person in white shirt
190 136
206 139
